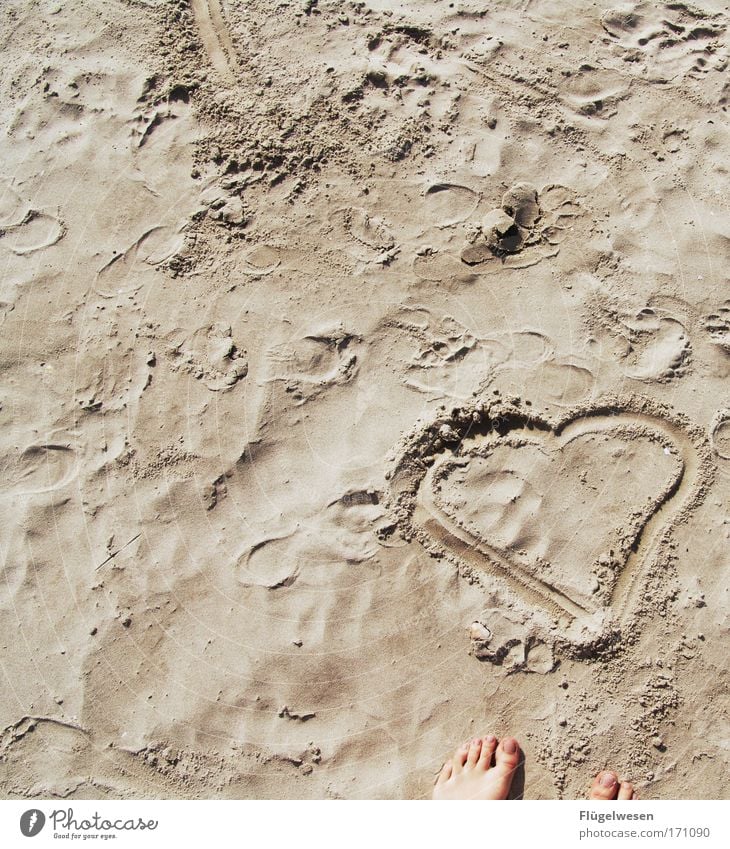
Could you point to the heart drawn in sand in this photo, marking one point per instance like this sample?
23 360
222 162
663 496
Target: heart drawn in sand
568 517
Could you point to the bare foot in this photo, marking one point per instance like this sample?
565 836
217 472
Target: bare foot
607 787
480 769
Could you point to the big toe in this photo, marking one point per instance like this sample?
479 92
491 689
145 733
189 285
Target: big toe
506 759
605 786
508 754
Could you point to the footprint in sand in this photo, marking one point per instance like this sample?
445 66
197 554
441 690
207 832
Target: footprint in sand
13 208
649 345
659 346
212 356
329 356
720 434
448 204
43 467
527 347
343 534
439 266
110 366
665 40
25 745
509 639
108 377
562 382
24 230
594 94
36 230
271 563
442 356
369 236
261 261
129 271
717 326
450 359
553 512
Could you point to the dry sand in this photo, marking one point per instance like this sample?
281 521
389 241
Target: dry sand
364 387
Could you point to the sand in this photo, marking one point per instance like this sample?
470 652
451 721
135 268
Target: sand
364 388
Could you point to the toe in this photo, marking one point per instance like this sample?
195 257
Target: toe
445 773
475 748
459 759
506 760
605 786
489 744
626 791
508 754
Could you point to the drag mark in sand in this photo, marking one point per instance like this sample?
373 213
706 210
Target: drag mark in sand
118 550
216 37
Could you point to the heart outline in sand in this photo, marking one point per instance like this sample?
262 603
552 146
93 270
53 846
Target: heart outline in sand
451 437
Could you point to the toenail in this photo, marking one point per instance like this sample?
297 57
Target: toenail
509 746
490 738
608 780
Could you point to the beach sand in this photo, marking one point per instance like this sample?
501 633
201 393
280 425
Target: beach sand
364 388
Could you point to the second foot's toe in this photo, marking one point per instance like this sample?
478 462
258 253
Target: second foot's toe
605 786
626 791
